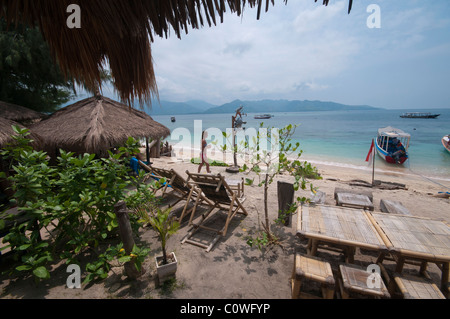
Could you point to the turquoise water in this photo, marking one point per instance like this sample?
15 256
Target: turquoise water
344 137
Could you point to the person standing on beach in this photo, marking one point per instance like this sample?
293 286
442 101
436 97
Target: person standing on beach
203 155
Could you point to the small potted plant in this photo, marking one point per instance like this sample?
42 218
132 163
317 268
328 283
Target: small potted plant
165 225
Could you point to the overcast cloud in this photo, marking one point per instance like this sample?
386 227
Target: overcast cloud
304 50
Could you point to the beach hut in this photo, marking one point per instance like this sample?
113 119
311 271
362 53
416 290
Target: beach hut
84 35
96 125
18 113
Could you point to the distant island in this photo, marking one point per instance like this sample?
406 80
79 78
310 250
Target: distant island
261 106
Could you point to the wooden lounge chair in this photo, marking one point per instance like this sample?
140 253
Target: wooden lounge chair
222 197
181 189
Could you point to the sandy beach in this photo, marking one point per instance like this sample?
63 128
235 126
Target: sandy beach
233 269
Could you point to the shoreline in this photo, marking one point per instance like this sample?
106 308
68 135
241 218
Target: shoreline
337 167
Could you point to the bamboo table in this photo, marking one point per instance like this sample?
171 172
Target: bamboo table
415 238
345 227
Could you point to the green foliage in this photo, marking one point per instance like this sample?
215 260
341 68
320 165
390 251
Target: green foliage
75 199
162 221
114 256
267 161
28 74
197 160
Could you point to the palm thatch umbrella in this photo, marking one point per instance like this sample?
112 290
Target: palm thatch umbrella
118 32
96 125
18 113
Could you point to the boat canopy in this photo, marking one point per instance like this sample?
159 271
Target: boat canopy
392 132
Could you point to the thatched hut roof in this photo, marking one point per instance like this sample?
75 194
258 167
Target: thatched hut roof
18 113
118 32
95 125
6 131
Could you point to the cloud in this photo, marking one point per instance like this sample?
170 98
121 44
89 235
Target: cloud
300 50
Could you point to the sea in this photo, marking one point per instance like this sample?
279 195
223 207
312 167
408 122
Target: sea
340 138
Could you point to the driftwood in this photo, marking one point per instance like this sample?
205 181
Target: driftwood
377 184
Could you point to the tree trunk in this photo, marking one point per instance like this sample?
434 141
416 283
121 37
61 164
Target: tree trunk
266 210
126 234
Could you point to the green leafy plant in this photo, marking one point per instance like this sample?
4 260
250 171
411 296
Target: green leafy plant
197 160
114 256
280 155
73 201
162 221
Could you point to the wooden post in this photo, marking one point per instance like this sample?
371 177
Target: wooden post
147 150
126 234
373 164
285 199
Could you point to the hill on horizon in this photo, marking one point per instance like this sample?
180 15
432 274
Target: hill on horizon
262 106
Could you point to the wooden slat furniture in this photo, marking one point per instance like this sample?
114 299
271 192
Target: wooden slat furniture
413 287
354 279
393 207
313 269
220 196
236 185
417 239
181 189
354 200
338 226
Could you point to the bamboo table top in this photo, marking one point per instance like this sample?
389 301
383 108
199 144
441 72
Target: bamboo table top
417 288
415 237
339 225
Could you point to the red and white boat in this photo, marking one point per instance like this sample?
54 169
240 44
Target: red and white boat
392 145
446 142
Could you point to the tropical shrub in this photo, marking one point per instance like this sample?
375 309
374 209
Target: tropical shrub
73 201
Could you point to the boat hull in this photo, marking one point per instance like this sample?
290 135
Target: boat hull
384 155
445 142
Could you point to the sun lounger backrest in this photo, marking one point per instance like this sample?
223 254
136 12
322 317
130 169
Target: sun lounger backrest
173 178
179 182
213 186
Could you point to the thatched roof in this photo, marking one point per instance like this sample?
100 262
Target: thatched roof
118 32
6 132
18 113
95 125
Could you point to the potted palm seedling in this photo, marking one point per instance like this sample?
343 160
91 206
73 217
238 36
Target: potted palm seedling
165 225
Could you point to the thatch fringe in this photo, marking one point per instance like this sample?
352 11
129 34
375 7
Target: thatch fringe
118 32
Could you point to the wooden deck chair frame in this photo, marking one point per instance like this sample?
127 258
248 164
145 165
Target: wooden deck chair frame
181 189
216 189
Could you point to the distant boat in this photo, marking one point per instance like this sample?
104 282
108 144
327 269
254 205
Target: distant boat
446 142
263 116
419 115
392 145
173 119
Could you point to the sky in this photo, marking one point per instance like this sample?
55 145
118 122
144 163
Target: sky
307 51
